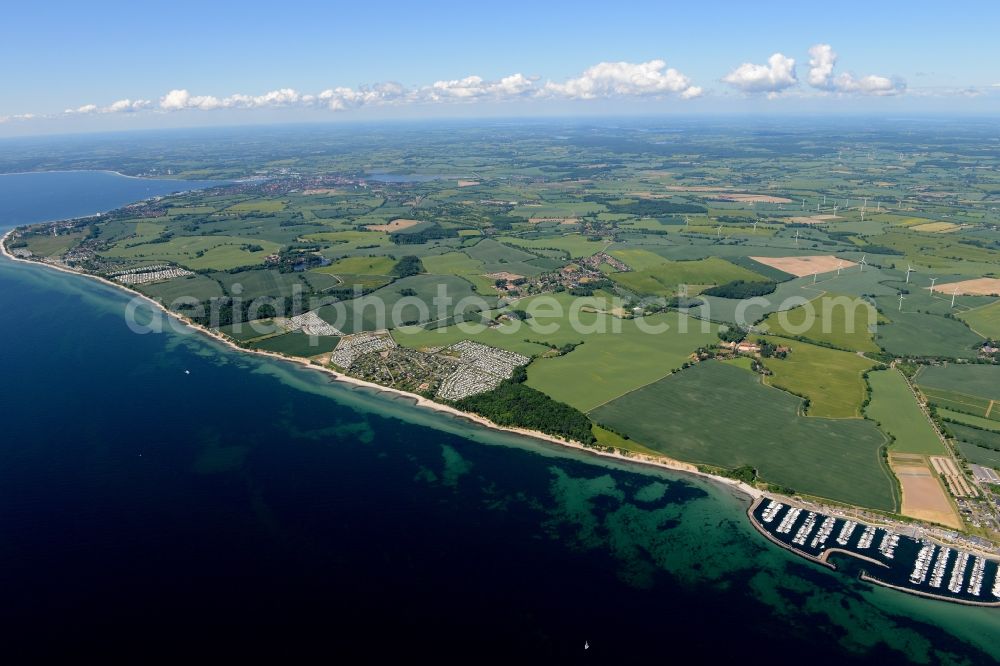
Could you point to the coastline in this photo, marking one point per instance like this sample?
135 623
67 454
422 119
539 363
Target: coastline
418 400
97 213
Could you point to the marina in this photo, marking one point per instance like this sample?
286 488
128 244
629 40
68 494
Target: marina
898 561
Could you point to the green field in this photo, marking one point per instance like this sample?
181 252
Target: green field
489 251
983 444
608 365
912 333
198 287
452 263
265 282
984 320
257 206
841 321
360 265
960 402
345 239
895 409
386 306
831 379
748 312
638 259
616 355
969 419
48 245
298 343
721 415
198 252
573 244
244 331
561 209
968 379
664 278
980 455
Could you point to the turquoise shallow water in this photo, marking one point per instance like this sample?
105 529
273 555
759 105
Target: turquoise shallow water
253 505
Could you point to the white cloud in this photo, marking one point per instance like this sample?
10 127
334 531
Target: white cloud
343 98
777 75
127 106
281 97
823 59
178 99
121 106
475 87
879 86
625 79
692 92
84 110
603 80
17 116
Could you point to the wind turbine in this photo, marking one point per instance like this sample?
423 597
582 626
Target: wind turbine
824 199
718 232
901 299
909 269
863 262
933 280
878 206
835 210
803 204
755 225
814 277
796 236
862 214
953 295
687 221
840 265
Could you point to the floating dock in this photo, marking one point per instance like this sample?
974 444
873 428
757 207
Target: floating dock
897 561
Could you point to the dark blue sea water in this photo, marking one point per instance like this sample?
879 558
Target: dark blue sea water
253 507
56 195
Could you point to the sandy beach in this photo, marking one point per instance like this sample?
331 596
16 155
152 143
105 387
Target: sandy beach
418 400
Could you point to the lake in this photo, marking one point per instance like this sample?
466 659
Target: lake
162 494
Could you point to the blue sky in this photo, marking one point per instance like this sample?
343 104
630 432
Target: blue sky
222 59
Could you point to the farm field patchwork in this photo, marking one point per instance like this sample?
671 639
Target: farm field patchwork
801 266
831 379
969 419
913 333
839 320
714 413
608 223
666 277
923 496
976 287
895 409
984 320
967 379
607 366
